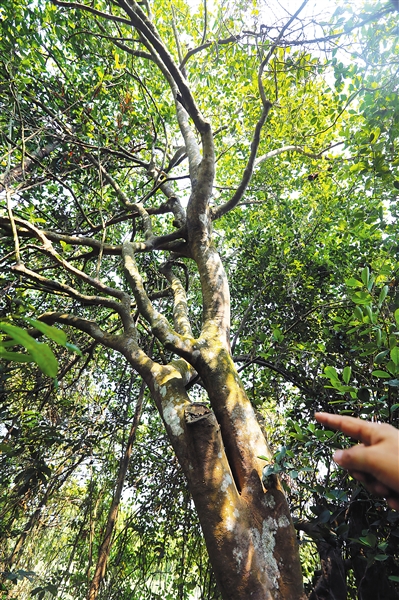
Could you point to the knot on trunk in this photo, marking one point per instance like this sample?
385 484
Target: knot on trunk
197 411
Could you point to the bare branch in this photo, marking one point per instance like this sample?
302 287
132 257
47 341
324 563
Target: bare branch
180 309
245 317
219 211
230 40
92 10
146 221
13 227
109 179
140 20
85 325
50 251
182 345
72 240
265 61
18 173
56 286
176 36
173 203
293 148
257 360
324 38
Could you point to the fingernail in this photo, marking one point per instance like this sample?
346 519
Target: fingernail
338 456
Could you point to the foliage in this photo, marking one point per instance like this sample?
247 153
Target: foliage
89 133
38 352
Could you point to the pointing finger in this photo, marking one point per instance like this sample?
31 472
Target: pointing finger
355 428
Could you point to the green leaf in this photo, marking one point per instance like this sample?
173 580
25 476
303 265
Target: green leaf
346 374
361 298
369 313
57 335
8 344
6 448
20 336
15 356
45 359
369 540
324 517
331 372
396 314
365 275
382 374
363 394
73 348
395 355
355 283
278 334
375 135
380 358
358 313
41 353
383 294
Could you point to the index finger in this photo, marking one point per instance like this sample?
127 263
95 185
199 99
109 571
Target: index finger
355 428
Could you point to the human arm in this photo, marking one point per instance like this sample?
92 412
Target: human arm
375 461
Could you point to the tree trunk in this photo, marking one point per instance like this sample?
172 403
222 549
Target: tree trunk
248 530
105 547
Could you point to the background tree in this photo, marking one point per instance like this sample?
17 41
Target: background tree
127 132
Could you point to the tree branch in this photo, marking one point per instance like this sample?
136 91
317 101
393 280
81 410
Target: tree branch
292 148
219 211
69 291
180 309
18 173
72 240
265 363
85 325
95 283
265 61
91 10
245 317
147 29
182 345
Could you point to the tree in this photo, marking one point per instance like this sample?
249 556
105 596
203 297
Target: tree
100 124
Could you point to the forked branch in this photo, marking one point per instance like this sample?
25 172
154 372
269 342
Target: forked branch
161 328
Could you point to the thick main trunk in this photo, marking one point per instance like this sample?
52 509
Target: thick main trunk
271 535
248 530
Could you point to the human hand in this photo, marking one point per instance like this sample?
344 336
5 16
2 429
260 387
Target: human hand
375 461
